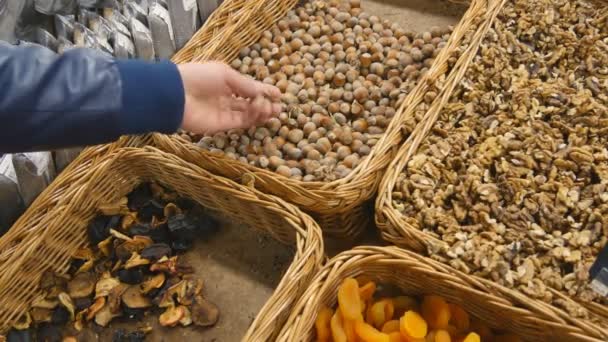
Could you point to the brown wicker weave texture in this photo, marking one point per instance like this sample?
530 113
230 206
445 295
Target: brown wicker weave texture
338 206
53 238
394 227
497 306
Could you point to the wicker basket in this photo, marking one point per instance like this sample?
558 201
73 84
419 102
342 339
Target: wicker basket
498 307
54 237
339 206
395 228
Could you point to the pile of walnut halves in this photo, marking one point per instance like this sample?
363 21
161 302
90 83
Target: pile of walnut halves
131 268
514 175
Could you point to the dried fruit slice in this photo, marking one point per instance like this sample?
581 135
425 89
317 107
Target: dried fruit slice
349 300
136 260
367 333
95 308
172 316
391 326
436 312
155 282
337 329
438 336
405 303
134 299
187 319
204 313
322 324
413 325
82 285
459 318
380 312
366 292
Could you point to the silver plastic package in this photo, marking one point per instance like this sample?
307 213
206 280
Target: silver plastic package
160 2
144 4
83 16
162 32
64 26
123 46
41 37
98 4
51 7
34 172
10 11
133 10
184 20
206 7
11 204
114 14
144 47
65 156
63 45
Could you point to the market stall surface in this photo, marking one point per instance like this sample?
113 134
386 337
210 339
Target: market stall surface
239 267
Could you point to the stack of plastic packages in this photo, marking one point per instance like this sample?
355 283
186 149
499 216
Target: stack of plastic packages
144 29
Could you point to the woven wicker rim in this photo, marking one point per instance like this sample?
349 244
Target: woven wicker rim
54 233
497 306
396 229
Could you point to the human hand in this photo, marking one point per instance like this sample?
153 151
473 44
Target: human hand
218 98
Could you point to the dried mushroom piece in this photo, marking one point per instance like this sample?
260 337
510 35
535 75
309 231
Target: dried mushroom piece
105 246
44 303
204 313
134 299
172 316
128 220
154 282
186 320
136 260
82 285
105 285
105 315
40 315
24 322
114 299
67 303
99 304
171 209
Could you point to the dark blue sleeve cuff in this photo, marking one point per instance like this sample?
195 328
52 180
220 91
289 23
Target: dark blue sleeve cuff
152 97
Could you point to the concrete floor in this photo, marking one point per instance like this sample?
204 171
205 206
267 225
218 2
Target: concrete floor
239 267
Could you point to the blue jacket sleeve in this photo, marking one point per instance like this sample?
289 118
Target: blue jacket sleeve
82 97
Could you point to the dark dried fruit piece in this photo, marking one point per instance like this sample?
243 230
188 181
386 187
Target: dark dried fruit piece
182 226
99 229
158 234
151 209
82 285
60 316
131 276
82 303
48 333
156 251
15 335
139 197
204 313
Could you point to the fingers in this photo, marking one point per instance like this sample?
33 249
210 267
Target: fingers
246 87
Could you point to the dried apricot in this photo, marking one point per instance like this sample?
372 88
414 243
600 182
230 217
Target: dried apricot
348 299
367 333
459 318
322 324
366 292
390 326
380 312
349 330
337 329
436 312
394 337
472 337
438 336
412 325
